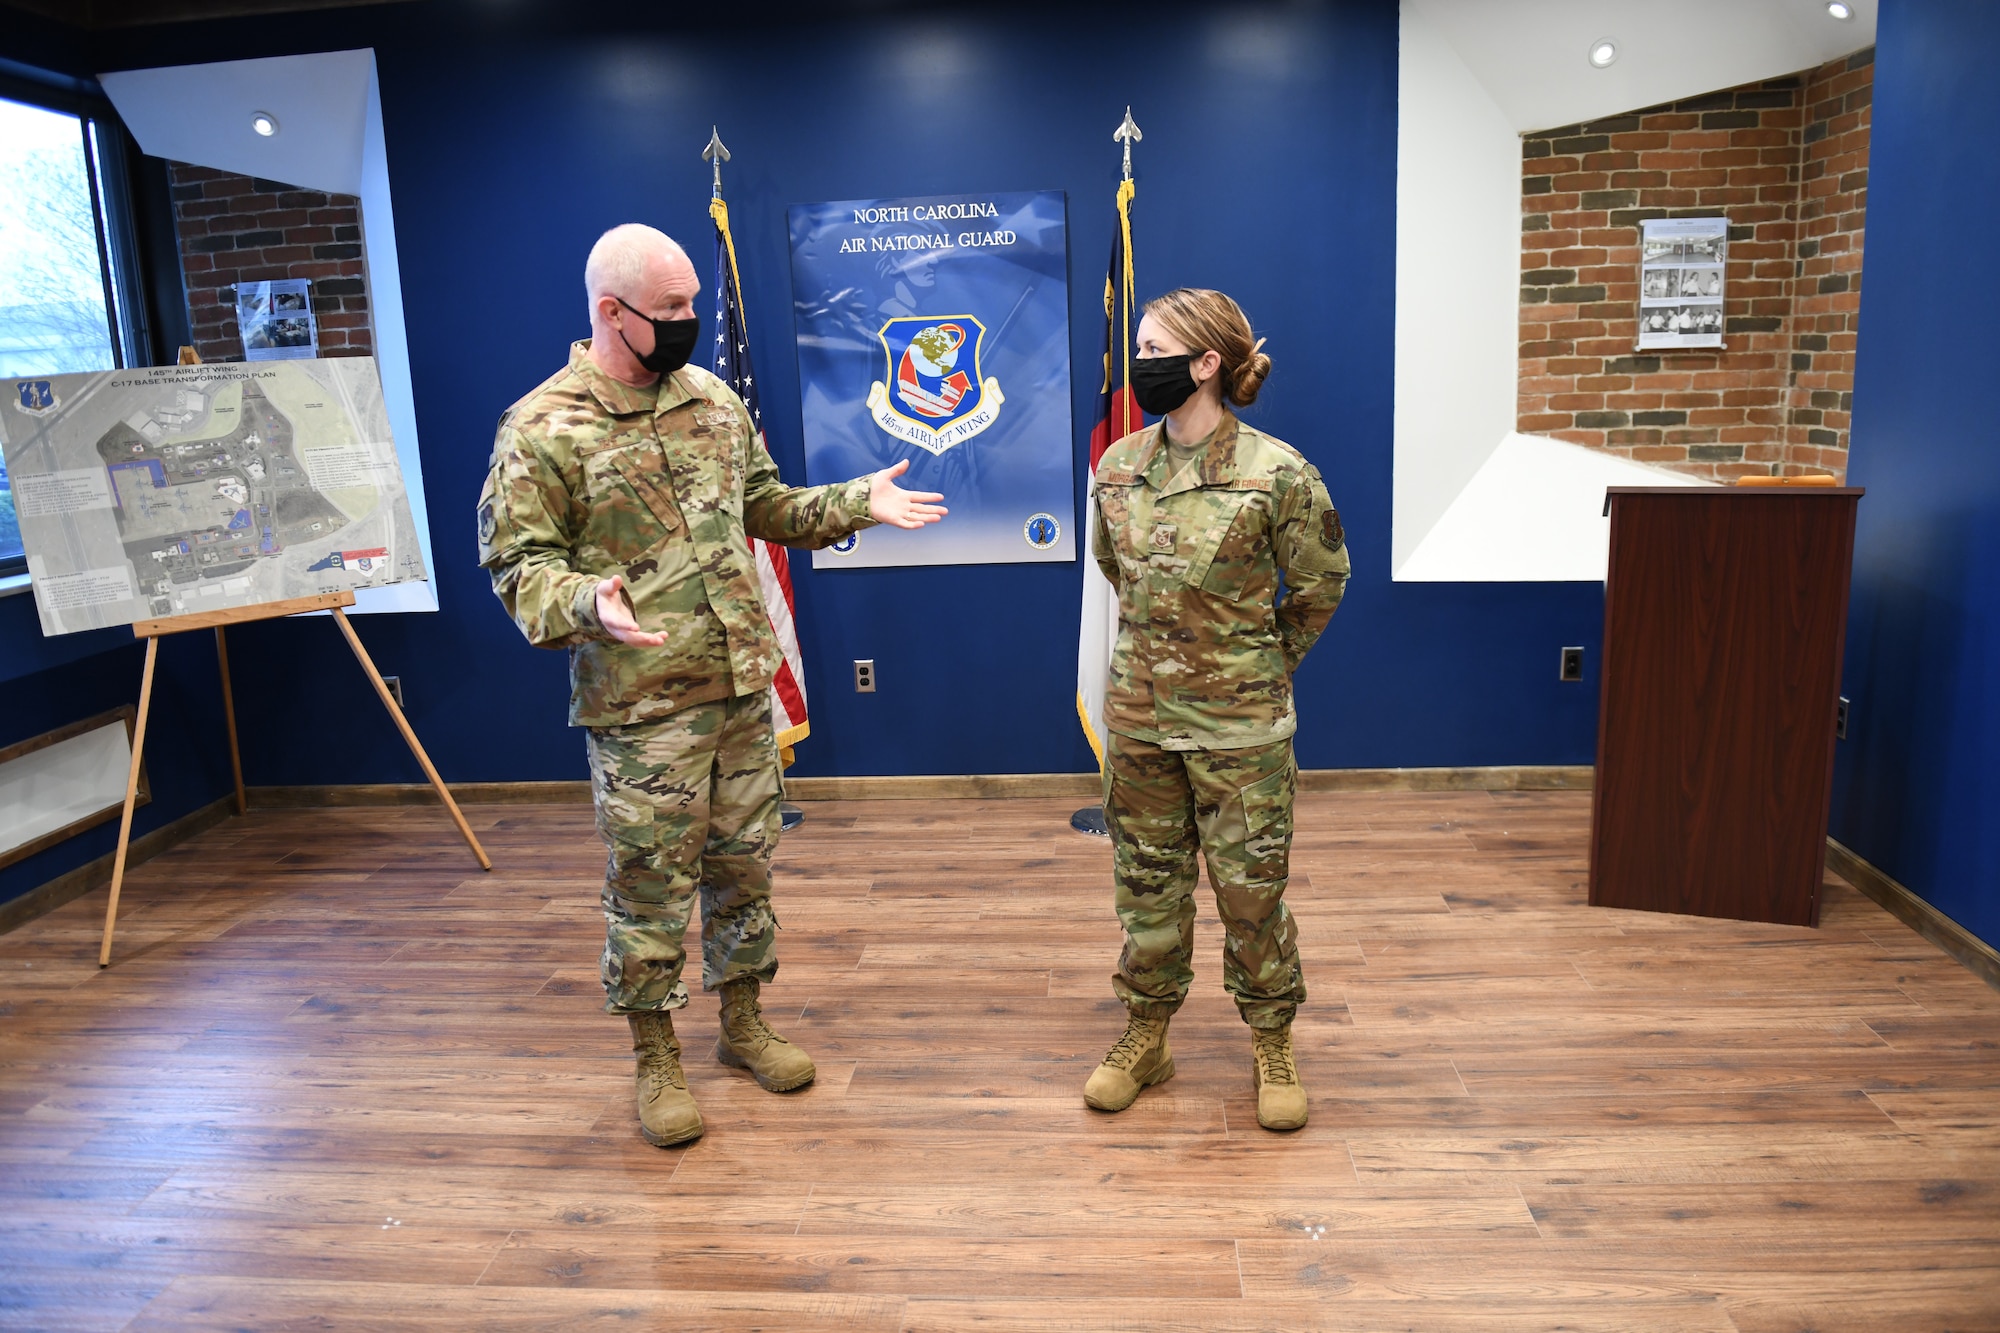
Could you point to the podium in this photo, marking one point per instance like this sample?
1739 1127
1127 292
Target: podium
1725 614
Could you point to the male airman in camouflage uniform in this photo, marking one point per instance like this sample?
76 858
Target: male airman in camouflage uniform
615 523
1199 708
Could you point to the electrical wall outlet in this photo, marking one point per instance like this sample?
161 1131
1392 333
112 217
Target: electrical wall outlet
1840 719
395 684
1572 664
864 675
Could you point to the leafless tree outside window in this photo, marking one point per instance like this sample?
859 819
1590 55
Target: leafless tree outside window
52 301
52 306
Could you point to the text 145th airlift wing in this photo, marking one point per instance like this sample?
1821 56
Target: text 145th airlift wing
176 489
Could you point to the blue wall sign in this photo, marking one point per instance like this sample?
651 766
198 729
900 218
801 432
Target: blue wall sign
937 330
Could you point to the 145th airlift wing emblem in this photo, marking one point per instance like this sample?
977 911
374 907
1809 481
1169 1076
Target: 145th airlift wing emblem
933 395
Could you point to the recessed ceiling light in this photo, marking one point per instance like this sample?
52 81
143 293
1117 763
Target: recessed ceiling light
1603 51
264 123
1839 9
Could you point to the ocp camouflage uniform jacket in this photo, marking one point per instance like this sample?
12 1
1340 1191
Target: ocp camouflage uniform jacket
1205 651
663 485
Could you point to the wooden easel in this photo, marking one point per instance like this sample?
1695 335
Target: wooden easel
153 630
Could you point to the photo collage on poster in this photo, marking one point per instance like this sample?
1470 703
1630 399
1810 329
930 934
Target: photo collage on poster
1681 264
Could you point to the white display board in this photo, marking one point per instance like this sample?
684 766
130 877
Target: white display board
61 787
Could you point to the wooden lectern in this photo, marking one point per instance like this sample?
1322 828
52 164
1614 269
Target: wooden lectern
1725 612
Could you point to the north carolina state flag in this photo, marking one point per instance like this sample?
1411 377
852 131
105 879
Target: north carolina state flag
1117 416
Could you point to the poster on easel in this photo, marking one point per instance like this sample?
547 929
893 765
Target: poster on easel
173 490
1682 262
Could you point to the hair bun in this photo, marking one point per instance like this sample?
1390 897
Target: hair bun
1249 378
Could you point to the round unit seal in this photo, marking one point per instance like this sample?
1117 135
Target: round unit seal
1041 531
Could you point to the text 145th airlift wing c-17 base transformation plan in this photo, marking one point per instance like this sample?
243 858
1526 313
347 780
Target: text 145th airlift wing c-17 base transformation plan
180 489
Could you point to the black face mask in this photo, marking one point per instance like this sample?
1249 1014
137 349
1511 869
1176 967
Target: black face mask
1162 383
673 341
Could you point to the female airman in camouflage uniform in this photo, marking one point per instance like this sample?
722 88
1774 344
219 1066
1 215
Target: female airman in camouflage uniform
1198 520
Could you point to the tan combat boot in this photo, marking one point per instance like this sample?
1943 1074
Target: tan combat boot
1281 1101
747 1042
1139 1059
667 1114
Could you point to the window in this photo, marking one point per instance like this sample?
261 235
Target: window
66 273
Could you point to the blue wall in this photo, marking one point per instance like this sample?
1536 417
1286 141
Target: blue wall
1268 169
1917 789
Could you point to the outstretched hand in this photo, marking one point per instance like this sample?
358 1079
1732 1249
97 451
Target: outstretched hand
891 504
614 612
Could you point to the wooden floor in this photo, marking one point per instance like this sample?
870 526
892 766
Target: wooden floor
339 1079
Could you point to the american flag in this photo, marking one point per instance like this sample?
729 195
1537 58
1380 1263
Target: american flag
774 574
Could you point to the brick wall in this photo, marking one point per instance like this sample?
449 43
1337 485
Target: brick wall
1749 154
242 229
1826 301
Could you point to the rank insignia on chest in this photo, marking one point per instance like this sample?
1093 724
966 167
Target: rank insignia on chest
1331 534
1165 536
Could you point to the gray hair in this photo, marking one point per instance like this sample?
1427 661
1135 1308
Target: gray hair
617 263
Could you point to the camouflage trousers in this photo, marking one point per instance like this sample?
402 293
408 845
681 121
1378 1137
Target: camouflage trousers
1236 806
688 805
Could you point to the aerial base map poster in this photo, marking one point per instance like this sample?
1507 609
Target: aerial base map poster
176 489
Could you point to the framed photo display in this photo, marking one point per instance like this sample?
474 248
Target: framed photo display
276 320
1681 266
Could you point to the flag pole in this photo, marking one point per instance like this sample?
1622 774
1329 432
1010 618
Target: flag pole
715 154
1117 424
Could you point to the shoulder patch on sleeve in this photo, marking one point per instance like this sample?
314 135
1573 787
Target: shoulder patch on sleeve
1331 535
